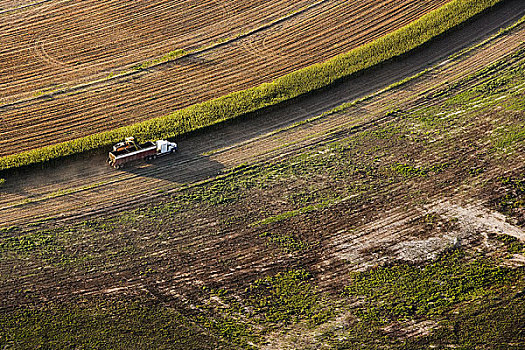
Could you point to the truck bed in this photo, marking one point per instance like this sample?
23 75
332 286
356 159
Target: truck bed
142 147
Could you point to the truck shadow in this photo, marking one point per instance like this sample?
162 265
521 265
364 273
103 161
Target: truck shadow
183 167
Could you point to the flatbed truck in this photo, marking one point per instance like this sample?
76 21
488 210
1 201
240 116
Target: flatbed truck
128 151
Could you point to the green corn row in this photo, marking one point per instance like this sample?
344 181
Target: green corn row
289 86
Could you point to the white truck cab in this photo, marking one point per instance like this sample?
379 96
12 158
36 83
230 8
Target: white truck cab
164 147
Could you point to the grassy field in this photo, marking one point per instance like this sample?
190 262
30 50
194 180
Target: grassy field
290 253
284 88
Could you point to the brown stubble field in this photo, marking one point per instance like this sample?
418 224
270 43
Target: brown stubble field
66 43
31 117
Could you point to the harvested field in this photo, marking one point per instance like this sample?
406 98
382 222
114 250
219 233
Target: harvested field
313 35
14 5
84 187
367 215
383 220
65 43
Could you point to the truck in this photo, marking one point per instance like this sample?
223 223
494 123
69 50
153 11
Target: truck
129 150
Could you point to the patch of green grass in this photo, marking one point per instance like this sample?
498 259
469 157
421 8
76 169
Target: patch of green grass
472 302
287 298
460 99
514 197
359 336
405 291
235 332
104 325
409 171
514 246
227 319
28 242
516 102
303 197
387 132
288 243
508 137
292 213
496 321
493 86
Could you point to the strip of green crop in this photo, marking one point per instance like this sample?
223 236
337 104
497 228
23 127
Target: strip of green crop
287 87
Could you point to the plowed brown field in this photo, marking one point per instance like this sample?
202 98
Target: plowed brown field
64 44
86 187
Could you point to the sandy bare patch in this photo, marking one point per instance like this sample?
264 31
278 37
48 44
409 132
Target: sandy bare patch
478 219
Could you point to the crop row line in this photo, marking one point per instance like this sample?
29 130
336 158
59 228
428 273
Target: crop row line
24 6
